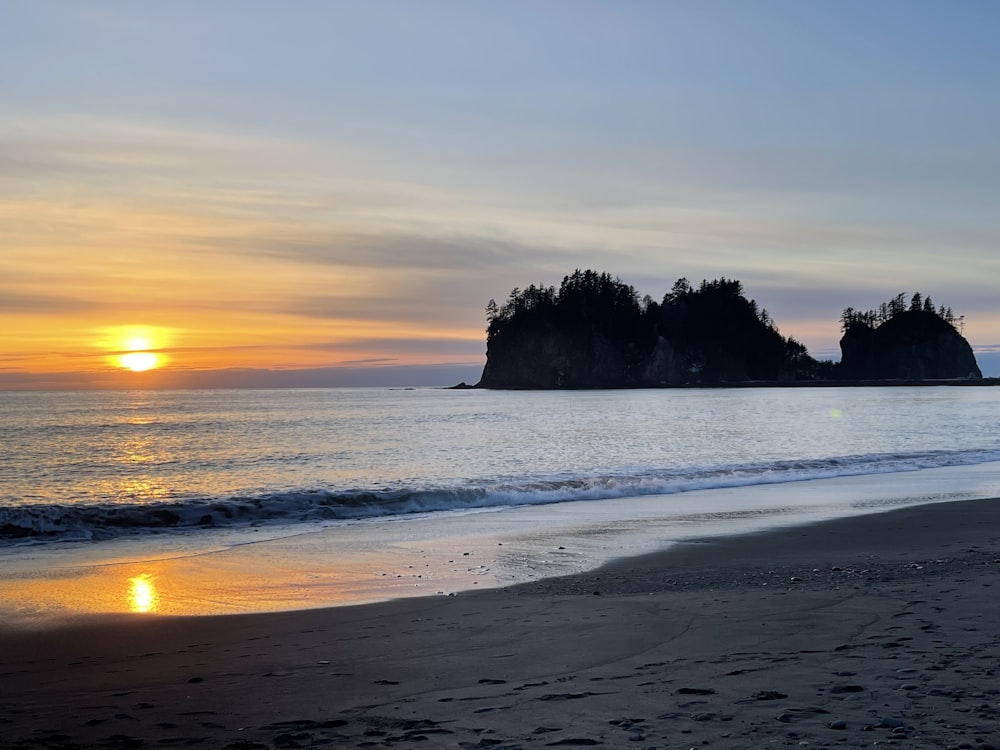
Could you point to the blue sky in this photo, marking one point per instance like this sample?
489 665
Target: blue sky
323 184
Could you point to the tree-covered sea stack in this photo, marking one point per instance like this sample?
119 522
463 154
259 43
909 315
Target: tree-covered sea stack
897 341
594 331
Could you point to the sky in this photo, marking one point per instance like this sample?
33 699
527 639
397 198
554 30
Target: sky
329 193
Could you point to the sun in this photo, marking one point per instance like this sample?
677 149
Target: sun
138 361
136 348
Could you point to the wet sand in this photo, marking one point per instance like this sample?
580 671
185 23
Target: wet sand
874 629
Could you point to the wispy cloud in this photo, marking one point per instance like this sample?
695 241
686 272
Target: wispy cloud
376 192
13 301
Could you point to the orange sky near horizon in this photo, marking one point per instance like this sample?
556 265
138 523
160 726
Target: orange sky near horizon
206 290
354 197
99 276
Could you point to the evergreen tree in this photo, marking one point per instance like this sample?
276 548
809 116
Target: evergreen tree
886 311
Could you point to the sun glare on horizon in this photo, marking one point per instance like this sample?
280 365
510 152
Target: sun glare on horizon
135 347
138 361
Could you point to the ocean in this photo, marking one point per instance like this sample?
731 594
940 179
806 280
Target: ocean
337 495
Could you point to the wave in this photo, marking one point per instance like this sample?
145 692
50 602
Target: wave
41 523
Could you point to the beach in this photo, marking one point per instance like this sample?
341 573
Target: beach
847 633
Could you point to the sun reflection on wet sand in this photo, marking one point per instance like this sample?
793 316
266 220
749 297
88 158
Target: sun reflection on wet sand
246 578
142 594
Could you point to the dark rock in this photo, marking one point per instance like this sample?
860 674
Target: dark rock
593 332
912 345
574 742
888 722
768 695
847 689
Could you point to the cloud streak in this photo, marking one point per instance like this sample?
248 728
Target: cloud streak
364 199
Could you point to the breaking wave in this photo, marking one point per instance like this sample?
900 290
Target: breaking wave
40 523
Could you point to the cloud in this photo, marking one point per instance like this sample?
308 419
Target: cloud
472 348
394 251
13 302
371 375
411 225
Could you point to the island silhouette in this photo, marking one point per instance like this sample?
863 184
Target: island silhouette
594 331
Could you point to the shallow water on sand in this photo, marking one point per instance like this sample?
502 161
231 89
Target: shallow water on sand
221 501
434 554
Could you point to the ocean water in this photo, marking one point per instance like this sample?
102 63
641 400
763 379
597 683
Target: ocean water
96 465
320 476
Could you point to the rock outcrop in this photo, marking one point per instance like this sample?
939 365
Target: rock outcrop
594 332
912 345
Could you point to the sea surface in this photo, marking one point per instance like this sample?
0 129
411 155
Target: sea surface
136 474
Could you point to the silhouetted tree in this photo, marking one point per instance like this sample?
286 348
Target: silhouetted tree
886 311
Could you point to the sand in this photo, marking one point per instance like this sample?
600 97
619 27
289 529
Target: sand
881 629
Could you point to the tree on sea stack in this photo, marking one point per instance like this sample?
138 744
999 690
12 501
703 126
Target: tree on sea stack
895 342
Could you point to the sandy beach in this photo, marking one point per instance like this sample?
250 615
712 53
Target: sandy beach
880 629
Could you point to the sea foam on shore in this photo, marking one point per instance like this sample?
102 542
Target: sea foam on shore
279 569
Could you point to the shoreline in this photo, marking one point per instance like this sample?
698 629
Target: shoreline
903 383
873 627
297 568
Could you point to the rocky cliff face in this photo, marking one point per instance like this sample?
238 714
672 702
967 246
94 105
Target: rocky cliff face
913 345
553 358
594 333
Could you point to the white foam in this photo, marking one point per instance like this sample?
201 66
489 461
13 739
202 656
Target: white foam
377 559
41 523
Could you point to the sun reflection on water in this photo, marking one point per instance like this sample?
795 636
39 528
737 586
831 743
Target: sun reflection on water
142 594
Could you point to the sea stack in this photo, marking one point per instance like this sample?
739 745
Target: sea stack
911 345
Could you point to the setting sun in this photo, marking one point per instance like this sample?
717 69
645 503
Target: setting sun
135 348
138 361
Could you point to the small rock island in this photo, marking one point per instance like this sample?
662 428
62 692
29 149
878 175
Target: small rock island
594 331
898 343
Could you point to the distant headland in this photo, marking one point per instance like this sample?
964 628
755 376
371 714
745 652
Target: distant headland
594 331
